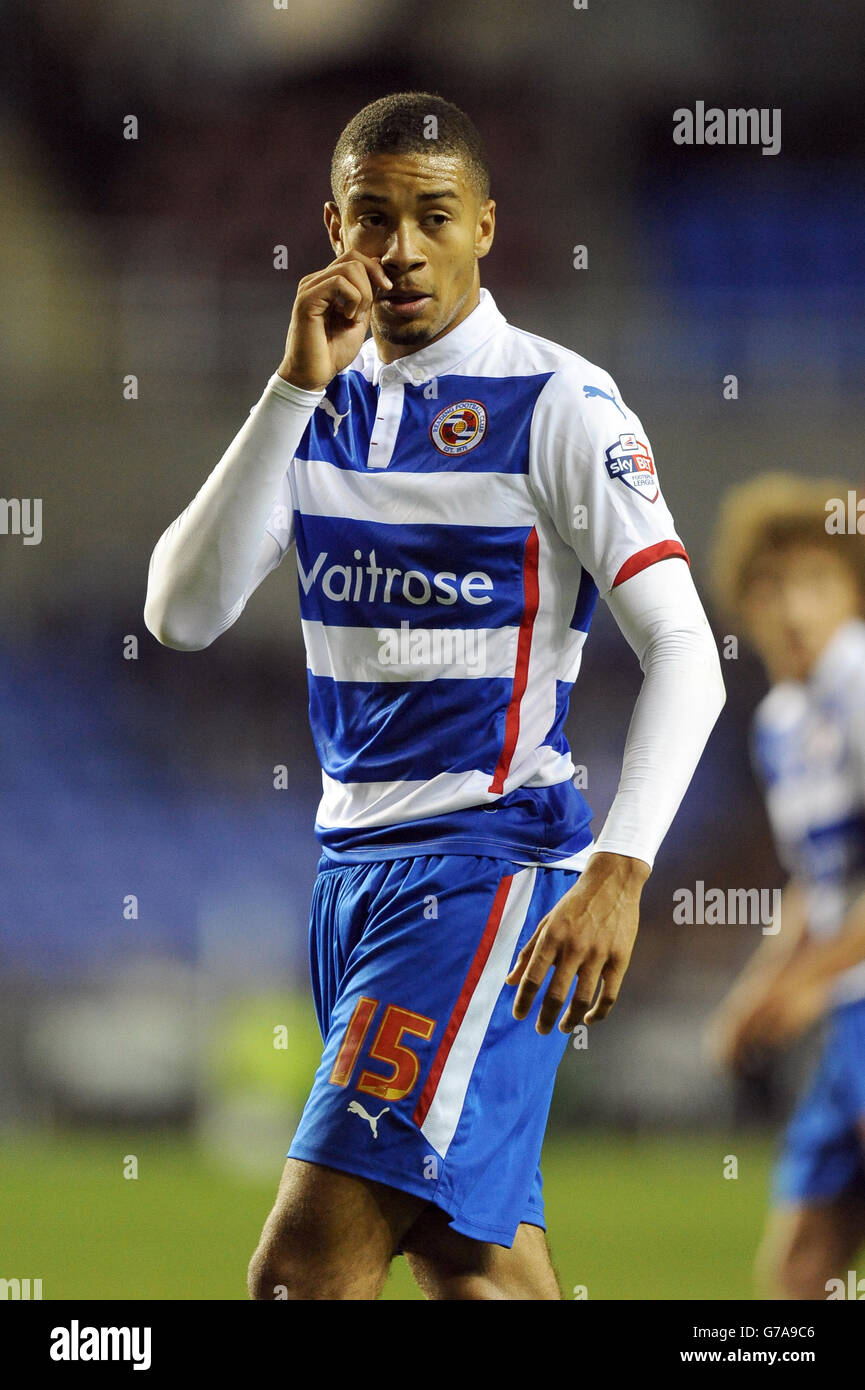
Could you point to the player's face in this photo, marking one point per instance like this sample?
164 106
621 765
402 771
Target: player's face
420 214
795 600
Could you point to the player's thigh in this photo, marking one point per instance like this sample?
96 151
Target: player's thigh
448 1265
806 1243
334 1224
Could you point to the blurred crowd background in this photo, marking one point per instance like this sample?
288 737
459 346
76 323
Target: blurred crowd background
155 883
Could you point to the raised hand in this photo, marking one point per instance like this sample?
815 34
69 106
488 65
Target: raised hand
330 318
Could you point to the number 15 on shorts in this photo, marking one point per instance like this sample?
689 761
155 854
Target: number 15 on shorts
387 1047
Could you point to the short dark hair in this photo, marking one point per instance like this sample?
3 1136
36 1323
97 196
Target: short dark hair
397 124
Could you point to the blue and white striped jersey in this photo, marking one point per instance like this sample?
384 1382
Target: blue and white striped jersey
808 744
455 515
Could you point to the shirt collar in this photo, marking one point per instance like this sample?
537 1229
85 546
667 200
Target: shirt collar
442 356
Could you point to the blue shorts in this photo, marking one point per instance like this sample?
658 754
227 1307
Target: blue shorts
823 1152
427 1082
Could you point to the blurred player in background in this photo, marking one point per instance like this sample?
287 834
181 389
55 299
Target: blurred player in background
456 494
796 585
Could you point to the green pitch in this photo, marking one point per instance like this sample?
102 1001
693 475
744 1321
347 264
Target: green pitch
649 1218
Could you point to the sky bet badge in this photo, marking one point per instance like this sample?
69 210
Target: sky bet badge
629 459
458 428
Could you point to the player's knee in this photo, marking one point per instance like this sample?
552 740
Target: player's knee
293 1268
276 1275
269 1278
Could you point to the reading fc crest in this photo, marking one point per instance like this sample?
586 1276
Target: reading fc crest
458 428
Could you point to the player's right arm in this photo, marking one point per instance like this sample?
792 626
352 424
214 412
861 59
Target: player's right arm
211 558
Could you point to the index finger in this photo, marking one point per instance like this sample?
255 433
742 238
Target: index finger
372 265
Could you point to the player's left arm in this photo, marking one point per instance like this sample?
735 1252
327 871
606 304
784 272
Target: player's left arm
593 471
591 930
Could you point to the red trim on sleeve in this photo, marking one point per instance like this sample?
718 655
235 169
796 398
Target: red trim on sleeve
643 558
